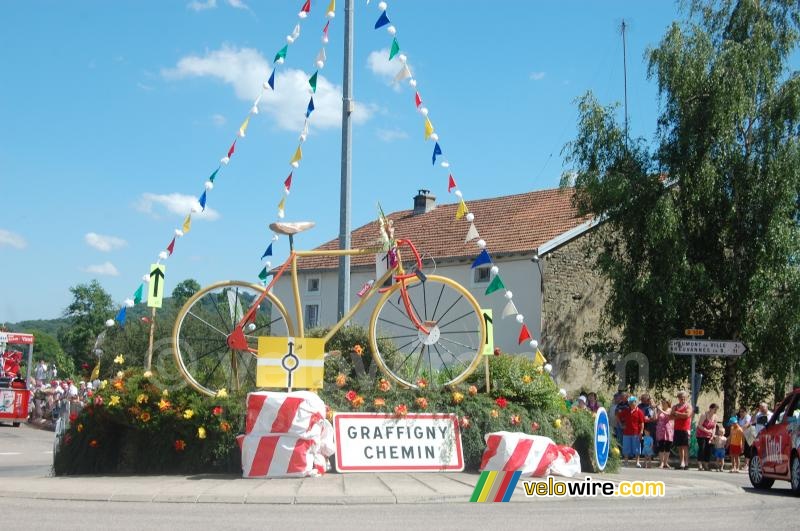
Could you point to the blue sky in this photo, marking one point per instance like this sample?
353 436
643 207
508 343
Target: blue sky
115 113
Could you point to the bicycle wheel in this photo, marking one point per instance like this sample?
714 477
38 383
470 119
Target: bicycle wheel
451 350
201 332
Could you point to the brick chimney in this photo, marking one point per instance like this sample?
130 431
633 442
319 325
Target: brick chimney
424 202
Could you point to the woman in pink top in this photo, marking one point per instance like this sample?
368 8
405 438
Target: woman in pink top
706 428
682 415
665 430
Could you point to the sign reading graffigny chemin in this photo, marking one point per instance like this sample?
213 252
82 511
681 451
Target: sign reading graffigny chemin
379 442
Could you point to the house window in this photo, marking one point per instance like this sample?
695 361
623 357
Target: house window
481 275
312 315
313 285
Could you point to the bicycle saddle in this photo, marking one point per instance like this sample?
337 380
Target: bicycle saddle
288 228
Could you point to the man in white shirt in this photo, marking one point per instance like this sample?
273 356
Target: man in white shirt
762 417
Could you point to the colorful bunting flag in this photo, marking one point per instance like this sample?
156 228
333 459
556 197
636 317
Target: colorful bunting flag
451 183
524 334
510 309
310 107
203 201
325 31
298 156
263 274
436 151
187 224
213 176
395 49
494 285
462 210
280 55
268 252
306 7
539 360
121 315
417 99
313 82
171 247
296 32
428 128
472 233
271 80
482 258
232 149
287 184
243 127
137 297
331 7
282 205
321 58
382 21
403 73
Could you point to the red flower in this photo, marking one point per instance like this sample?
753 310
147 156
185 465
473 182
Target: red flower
534 426
465 422
501 402
422 402
515 420
73 417
180 445
401 410
351 395
85 366
497 351
422 383
98 400
217 411
90 394
93 443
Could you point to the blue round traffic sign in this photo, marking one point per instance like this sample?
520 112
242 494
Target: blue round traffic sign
602 438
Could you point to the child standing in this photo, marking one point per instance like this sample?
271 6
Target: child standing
735 443
647 448
720 442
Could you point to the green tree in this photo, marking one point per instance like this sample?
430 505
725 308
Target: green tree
47 348
719 249
90 308
183 291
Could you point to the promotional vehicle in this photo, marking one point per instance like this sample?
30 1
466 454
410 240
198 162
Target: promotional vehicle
776 449
14 393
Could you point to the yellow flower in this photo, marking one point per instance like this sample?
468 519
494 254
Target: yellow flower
188 414
119 360
458 397
527 379
80 428
341 380
114 401
103 384
539 370
165 392
557 423
147 374
222 393
201 432
495 413
142 399
120 374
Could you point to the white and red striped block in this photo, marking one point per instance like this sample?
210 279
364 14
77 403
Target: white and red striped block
276 456
533 455
299 413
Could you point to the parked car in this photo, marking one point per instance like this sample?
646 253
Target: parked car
776 449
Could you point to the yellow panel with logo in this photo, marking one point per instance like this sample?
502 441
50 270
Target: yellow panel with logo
290 362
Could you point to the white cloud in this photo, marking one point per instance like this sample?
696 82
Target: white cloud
538 76
380 65
106 268
390 135
104 243
201 6
246 70
179 204
238 4
218 120
146 88
12 239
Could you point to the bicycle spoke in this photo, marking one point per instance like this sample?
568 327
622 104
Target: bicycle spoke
396 324
407 344
451 307
208 324
438 300
400 337
195 360
456 343
216 307
444 365
425 299
419 363
402 311
266 325
470 312
458 331
212 371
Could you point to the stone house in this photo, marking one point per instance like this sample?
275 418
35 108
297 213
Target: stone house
542 247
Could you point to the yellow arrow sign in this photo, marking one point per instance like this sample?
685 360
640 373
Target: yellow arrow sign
155 292
488 346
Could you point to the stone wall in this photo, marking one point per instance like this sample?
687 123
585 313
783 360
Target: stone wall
574 297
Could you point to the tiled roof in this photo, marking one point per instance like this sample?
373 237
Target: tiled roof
508 224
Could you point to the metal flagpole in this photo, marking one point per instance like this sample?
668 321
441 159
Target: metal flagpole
343 302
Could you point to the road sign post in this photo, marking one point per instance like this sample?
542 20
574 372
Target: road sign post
488 346
155 297
602 438
704 347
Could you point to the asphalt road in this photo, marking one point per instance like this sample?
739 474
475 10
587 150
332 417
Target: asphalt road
25 451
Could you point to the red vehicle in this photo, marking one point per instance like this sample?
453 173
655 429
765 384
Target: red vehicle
776 449
14 393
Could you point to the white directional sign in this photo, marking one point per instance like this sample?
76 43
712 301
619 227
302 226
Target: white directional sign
700 347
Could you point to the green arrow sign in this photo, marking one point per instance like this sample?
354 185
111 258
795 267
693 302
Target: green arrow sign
155 292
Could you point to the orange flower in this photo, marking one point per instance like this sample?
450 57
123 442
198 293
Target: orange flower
421 402
93 443
144 417
401 410
329 413
80 428
163 405
350 396
358 349
358 401
379 402
384 385
180 445
422 383
526 379
497 351
458 397
224 426
118 385
472 390
341 380
465 422
495 413
515 420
